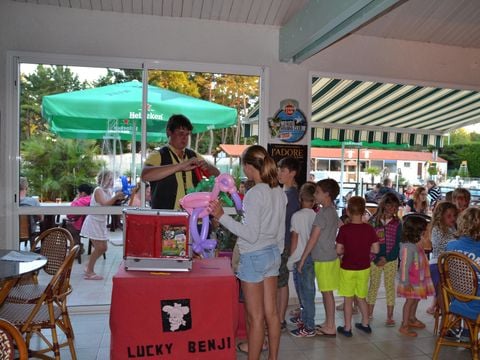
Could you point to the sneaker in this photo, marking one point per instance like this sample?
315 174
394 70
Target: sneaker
283 325
452 334
302 332
365 328
464 336
341 330
296 320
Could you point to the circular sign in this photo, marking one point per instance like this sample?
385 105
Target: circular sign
289 124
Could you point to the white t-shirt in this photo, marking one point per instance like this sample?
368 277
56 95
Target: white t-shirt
302 222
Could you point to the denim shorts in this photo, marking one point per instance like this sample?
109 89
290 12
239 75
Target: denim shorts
257 265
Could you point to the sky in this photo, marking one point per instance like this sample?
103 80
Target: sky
84 73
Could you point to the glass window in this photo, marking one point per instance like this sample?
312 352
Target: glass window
322 165
58 152
335 165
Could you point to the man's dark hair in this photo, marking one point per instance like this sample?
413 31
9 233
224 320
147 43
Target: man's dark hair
178 121
86 188
290 163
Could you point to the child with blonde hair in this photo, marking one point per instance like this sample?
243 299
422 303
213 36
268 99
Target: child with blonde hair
415 282
443 230
301 226
468 243
95 226
356 240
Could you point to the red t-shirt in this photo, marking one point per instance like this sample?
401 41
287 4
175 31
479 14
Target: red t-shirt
357 240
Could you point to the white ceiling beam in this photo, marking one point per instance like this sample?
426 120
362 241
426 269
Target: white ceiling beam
322 22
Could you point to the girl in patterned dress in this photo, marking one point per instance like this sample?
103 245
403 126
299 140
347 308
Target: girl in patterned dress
415 282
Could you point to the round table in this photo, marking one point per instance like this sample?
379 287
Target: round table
11 271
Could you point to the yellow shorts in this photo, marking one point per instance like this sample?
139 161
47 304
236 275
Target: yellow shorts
327 274
354 283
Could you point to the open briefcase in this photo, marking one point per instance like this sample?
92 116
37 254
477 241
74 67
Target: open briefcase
156 240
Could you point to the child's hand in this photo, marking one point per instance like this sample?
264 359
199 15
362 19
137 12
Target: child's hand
381 261
409 288
300 266
215 209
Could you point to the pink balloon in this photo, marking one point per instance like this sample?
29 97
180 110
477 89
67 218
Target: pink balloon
196 204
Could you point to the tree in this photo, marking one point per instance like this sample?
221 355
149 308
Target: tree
116 76
55 167
46 80
373 171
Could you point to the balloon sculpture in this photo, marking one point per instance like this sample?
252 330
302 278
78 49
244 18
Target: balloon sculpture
196 204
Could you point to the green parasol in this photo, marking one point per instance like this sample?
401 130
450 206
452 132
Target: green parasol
116 110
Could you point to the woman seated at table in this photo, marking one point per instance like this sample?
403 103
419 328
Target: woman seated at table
74 222
418 203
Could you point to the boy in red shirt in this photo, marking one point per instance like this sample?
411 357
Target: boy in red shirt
356 241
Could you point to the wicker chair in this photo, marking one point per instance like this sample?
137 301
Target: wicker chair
25 231
11 338
54 244
49 312
459 282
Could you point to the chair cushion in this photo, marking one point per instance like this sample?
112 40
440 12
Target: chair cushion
470 309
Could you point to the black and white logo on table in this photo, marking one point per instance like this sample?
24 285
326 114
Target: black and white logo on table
176 315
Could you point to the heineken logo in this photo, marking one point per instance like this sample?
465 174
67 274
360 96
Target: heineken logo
150 114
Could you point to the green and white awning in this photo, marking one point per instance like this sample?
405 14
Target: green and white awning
372 112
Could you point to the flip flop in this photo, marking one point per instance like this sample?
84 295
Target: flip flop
320 332
92 277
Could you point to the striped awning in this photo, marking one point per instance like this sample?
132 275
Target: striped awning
372 112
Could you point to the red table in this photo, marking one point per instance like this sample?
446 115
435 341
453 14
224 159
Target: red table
191 315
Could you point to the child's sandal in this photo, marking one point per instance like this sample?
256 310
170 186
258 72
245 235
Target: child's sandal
416 324
404 330
390 323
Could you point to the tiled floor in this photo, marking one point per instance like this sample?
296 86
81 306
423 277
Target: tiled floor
92 333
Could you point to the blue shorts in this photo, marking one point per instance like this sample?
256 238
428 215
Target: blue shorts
257 265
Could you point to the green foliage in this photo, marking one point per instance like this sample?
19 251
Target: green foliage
455 154
46 80
460 136
432 169
55 167
373 171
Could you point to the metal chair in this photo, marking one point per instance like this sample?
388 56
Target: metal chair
11 338
459 285
48 312
54 244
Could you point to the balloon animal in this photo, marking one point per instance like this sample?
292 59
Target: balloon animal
196 204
